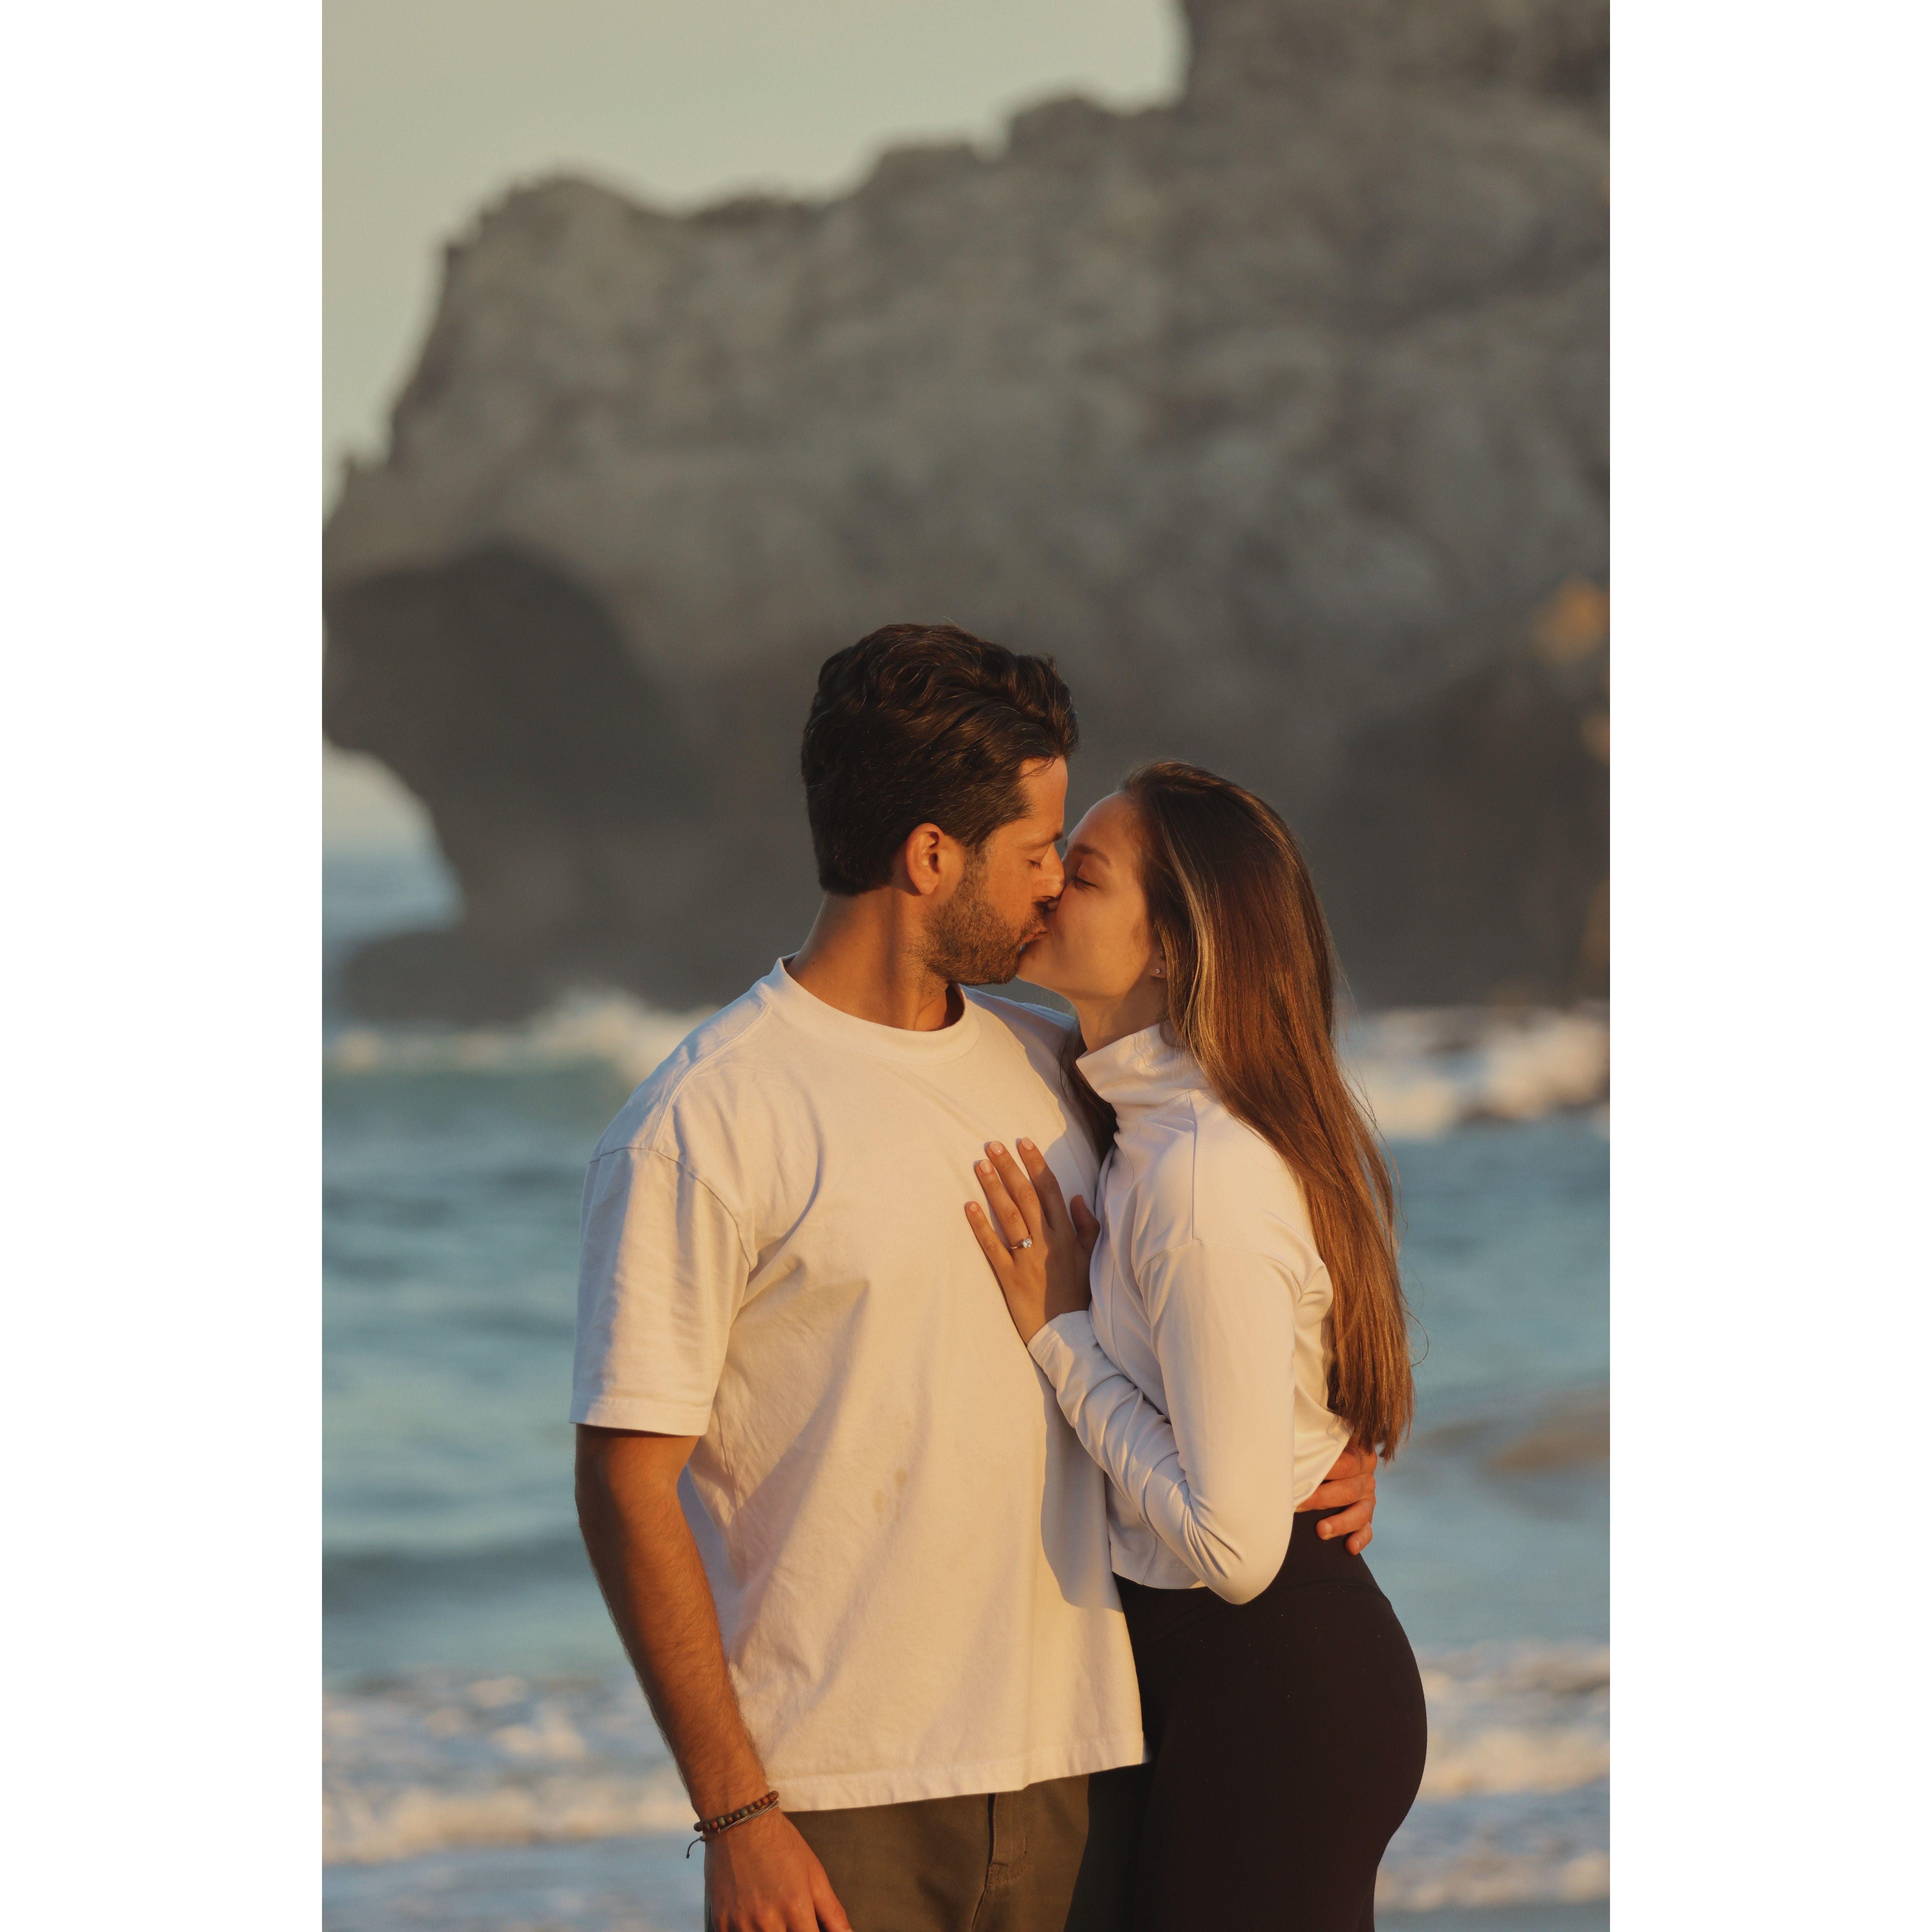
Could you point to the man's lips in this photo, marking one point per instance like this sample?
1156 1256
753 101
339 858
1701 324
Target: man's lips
1044 915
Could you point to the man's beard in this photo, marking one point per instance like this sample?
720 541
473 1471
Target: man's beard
968 943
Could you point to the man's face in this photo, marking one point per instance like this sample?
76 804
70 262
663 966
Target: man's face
999 908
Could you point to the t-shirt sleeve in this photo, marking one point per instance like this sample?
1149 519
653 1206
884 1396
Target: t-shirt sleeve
662 1274
1212 1476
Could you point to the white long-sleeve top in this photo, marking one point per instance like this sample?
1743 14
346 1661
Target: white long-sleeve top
1198 1379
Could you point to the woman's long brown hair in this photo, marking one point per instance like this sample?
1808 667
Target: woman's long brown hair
1251 972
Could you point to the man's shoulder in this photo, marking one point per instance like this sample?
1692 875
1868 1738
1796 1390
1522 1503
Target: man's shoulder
1028 1045
1035 1027
704 1067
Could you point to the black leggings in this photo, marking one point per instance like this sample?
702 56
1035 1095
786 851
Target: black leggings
1287 1736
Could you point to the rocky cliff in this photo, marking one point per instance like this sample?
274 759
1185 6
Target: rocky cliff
1276 415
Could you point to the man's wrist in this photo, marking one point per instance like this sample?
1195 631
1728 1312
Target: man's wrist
713 1797
717 1826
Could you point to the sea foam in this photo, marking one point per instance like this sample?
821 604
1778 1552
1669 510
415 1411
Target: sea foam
434 1760
585 1028
1421 1070
1514 1804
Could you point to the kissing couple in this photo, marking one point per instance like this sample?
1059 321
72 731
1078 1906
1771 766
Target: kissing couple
978 1414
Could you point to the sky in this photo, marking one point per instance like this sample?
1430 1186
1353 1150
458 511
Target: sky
431 108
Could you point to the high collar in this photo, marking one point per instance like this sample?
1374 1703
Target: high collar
1142 1071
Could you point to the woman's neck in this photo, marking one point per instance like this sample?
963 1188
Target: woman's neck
1103 1021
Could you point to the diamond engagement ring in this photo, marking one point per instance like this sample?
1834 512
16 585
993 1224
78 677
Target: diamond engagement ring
1025 1242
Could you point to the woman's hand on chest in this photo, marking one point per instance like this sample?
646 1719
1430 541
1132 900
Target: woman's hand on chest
1039 1248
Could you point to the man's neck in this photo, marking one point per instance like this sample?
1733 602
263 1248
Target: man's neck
863 956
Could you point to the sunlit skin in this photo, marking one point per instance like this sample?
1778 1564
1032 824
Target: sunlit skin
1098 952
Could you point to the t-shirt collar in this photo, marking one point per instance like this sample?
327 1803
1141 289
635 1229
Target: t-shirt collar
807 1011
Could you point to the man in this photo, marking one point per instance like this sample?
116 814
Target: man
854 1552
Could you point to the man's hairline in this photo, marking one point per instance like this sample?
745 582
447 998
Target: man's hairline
1029 768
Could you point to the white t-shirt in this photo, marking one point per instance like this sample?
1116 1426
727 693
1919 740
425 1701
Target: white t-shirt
907 1543
1199 1378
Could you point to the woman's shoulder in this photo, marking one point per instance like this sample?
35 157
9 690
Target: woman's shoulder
1207 1178
1214 1180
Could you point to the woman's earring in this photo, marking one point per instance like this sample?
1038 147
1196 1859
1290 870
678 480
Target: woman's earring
1160 972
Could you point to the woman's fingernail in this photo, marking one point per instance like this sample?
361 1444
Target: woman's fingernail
1024 1142
994 1146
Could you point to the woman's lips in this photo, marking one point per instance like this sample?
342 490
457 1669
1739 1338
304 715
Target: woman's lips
1044 927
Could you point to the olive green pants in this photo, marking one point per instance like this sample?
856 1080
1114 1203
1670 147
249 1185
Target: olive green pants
1056 1857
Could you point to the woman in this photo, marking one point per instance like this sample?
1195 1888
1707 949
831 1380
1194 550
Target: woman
1246 1323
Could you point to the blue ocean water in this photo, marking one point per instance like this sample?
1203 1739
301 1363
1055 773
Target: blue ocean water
489 1763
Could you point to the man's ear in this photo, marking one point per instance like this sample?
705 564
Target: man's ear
923 861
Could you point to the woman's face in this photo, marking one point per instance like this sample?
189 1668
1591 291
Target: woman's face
1097 946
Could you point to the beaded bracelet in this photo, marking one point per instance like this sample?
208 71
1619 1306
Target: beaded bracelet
708 1828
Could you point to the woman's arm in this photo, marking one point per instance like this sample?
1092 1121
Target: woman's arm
1212 1477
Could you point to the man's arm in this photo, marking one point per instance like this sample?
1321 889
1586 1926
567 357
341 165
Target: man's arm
759 1877
1351 1481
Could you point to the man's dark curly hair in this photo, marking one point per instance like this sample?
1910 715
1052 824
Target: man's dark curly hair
923 724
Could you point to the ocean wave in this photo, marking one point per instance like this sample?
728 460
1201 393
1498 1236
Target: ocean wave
583 1028
1514 1808
1426 1069
433 1760
1422 1070
1526 1717
359 1828
1534 1849
626 1884
1513 1803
